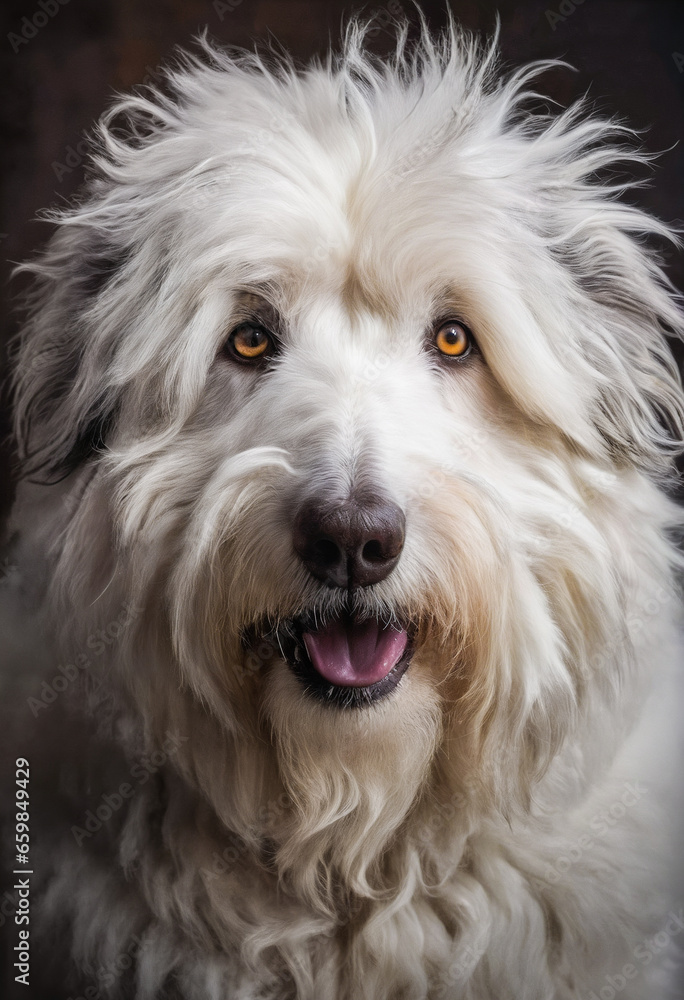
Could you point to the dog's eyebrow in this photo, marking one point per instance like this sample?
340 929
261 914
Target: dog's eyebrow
254 306
448 302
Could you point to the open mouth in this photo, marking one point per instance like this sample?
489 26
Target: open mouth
346 660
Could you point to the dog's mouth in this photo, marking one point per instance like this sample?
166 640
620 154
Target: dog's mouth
347 660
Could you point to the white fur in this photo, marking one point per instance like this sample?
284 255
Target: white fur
409 849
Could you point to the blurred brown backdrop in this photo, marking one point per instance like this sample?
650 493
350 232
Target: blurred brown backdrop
61 59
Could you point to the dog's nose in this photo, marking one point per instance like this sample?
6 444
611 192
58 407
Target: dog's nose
349 544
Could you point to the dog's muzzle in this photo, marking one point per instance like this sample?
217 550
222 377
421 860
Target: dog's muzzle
349 659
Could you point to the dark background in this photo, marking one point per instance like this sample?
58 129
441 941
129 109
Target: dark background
60 64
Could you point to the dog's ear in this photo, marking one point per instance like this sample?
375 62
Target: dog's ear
87 293
619 308
632 310
65 404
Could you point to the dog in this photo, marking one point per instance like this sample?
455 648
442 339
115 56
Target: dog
347 424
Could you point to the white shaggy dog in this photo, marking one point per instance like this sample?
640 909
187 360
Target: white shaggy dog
347 419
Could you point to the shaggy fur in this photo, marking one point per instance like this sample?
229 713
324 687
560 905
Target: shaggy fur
491 829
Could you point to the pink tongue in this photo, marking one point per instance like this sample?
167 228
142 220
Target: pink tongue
355 654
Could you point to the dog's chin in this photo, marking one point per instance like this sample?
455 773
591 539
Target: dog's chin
344 659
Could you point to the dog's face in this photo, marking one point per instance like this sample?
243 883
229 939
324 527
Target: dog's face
372 364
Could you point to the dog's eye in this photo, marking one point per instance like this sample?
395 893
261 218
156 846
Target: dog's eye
249 342
453 339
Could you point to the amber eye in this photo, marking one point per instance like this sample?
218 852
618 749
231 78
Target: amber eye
453 339
249 343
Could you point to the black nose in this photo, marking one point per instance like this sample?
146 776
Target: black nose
350 544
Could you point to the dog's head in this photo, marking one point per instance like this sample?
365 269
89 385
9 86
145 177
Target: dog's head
359 382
